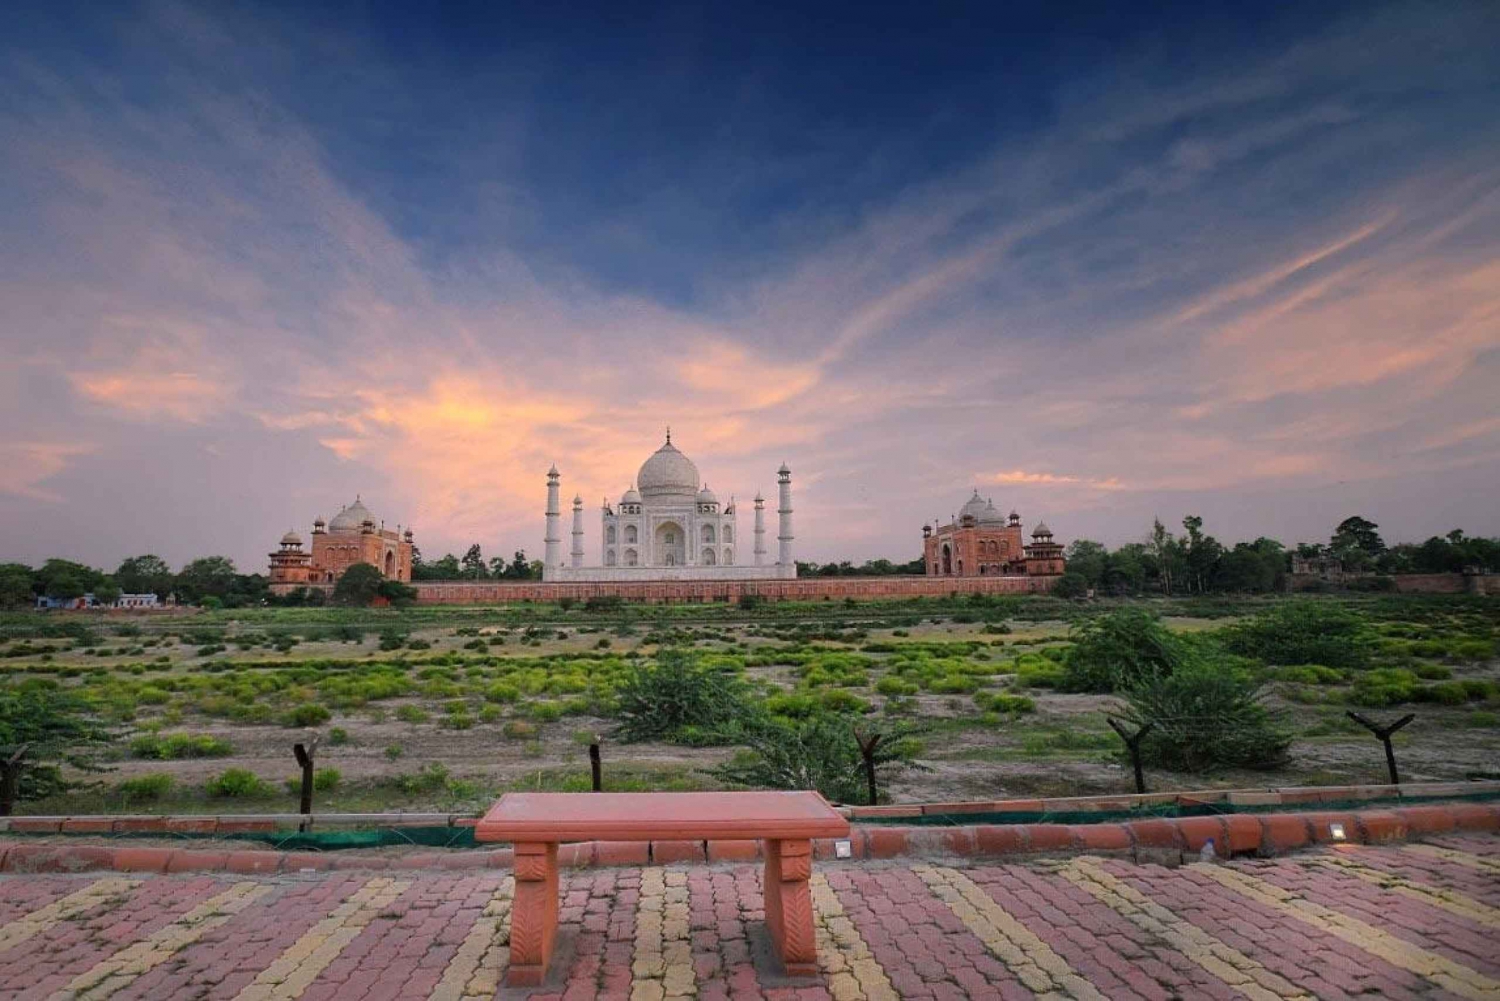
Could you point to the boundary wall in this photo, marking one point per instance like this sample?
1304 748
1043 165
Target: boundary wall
460 592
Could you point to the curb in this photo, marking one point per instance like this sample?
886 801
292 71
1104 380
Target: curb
1155 840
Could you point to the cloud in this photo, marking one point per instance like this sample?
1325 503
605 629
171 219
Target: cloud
1021 477
26 465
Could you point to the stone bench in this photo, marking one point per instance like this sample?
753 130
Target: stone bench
536 822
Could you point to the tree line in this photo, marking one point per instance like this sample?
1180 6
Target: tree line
1190 562
1194 562
473 566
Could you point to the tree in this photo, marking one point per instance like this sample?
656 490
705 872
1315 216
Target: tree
1125 571
1164 548
206 577
143 574
53 726
359 585
396 592
1201 554
472 565
16 585
1357 534
66 579
106 592
519 568
1070 585
1089 560
446 568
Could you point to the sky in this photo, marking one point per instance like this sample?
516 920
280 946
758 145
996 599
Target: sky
1102 262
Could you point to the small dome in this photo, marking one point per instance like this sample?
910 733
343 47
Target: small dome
351 518
706 496
784 471
991 515
291 539
973 508
319 522
668 473
631 496
1041 531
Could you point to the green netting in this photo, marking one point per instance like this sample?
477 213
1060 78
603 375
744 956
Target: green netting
1157 810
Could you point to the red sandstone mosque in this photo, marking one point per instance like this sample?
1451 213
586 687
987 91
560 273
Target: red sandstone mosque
982 542
352 536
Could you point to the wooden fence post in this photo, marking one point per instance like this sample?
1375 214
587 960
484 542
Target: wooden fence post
1384 733
305 754
10 779
596 766
1133 745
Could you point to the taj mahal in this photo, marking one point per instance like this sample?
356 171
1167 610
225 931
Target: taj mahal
669 526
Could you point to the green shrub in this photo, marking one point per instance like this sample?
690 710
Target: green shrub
1433 672
145 788
662 699
837 700
307 715
819 753
338 736
174 746
1205 715
1035 671
544 711
1308 674
1119 650
1445 693
1386 686
519 729
1004 702
394 751
892 685
237 783
1304 632
327 779
457 721
412 714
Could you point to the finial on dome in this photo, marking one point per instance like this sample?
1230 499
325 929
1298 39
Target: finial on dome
669 434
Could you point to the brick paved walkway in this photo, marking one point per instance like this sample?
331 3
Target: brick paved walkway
1413 921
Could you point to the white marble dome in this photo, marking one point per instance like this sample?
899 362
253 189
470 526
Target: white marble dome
974 507
668 473
991 515
351 517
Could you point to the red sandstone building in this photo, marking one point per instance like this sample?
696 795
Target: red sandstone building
982 542
353 536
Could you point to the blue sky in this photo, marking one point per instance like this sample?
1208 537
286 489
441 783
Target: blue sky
1104 263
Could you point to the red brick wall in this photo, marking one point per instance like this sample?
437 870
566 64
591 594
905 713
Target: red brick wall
807 589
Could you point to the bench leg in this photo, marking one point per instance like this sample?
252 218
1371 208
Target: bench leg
789 913
533 914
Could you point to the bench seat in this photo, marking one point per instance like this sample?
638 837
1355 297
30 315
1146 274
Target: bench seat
536 822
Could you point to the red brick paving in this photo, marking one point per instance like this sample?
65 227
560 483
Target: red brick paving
923 947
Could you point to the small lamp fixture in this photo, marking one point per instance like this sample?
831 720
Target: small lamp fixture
1336 831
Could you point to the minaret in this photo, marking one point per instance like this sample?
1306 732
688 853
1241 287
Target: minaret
553 555
577 553
784 478
760 530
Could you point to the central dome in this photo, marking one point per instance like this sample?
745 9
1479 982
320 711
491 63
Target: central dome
351 517
668 473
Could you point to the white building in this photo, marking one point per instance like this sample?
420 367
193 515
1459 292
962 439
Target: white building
668 526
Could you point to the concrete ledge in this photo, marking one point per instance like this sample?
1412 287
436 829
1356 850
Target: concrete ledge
1261 835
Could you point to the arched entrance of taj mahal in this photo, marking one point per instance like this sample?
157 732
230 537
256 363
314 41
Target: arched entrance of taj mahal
670 545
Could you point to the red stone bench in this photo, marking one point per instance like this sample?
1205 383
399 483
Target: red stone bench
535 823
